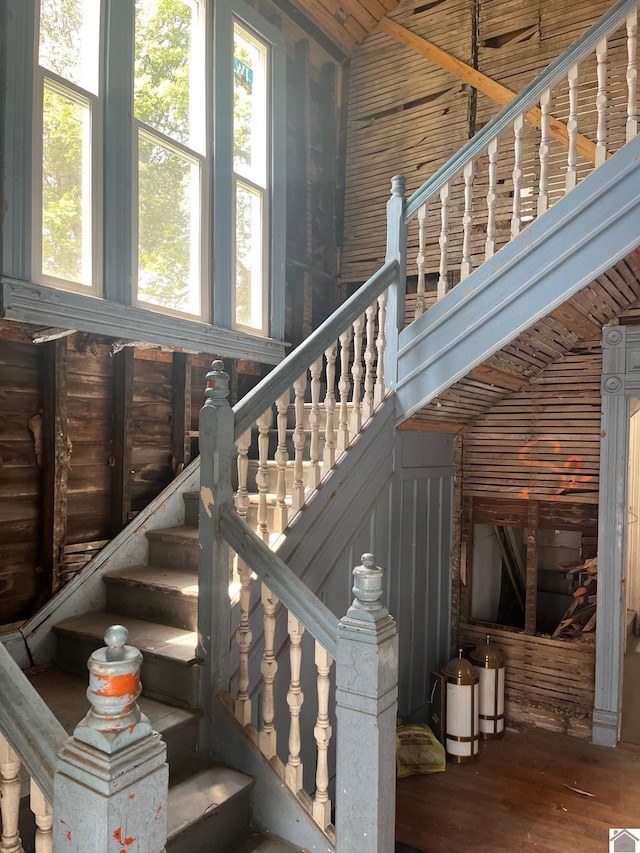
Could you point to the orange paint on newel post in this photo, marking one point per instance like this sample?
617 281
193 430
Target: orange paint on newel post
112 778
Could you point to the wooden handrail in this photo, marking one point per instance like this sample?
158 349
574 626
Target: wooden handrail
524 101
316 617
29 726
284 375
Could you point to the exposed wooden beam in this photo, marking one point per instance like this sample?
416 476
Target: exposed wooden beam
482 83
55 456
181 411
121 470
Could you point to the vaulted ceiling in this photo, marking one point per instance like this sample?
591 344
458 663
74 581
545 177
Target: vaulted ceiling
346 22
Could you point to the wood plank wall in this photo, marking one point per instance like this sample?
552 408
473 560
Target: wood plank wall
539 448
407 116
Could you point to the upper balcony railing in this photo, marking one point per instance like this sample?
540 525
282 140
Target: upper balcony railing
566 123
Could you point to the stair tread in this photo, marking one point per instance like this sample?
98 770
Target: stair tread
202 793
66 696
161 640
183 581
181 532
257 842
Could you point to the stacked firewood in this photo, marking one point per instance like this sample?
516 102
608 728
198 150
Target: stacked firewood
580 617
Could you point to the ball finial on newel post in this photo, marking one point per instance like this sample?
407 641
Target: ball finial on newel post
217 388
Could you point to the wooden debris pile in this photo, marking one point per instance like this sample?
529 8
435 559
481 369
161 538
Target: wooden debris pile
580 617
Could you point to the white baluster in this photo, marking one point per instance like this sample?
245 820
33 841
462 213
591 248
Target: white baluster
299 441
295 697
282 457
601 102
492 197
632 76
369 362
518 129
241 499
43 817
357 374
9 799
262 477
572 127
268 668
543 192
381 343
315 473
322 733
467 221
242 705
329 453
344 386
445 193
421 261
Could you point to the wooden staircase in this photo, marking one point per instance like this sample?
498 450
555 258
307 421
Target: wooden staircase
209 804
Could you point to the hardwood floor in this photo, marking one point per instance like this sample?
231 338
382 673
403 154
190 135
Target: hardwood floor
518 797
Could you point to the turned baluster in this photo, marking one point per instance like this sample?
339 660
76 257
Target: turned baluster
421 261
381 343
299 442
329 452
369 362
295 697
268 668
282 457
601 102
322 733
467 221
445 194
242 705
632 76
572 128
262 477
543 188
492 197
43 816
518 129
344 386
315 473
9 799
356 374
241 498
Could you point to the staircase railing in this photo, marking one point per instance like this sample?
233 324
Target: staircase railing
348 355
567 122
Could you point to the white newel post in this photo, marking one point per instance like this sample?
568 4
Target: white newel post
111 781
366 706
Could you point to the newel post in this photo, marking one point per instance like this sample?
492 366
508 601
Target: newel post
396 251
366 707
217 449
111 780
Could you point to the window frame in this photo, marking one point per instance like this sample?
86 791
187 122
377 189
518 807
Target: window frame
24 298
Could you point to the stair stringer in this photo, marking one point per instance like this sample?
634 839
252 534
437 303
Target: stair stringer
584 234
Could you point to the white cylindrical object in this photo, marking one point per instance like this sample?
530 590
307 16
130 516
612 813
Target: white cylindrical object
490 665
461 718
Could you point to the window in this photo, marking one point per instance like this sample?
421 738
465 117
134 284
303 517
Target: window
67 89
184 232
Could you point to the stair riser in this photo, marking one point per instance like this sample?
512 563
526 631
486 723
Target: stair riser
162 679
167 552
215 832
155 605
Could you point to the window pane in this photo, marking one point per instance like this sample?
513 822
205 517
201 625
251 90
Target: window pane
249 107
169 72
249 258
66 187
70 40
169 228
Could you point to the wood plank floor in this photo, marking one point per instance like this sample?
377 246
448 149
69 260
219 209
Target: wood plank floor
518 797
